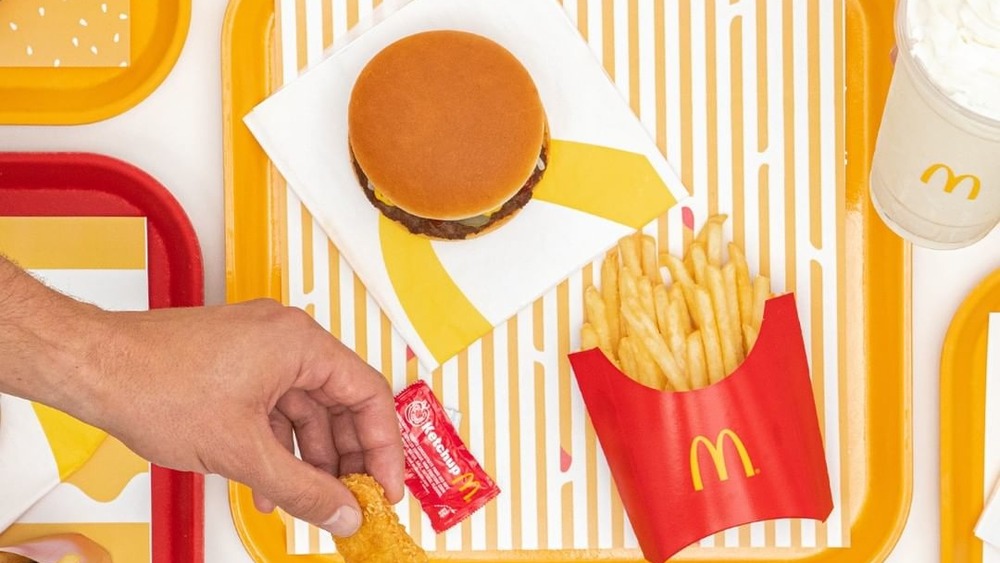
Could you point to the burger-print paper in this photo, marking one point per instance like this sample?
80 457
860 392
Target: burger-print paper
604 177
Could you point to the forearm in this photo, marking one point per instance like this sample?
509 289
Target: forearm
49 343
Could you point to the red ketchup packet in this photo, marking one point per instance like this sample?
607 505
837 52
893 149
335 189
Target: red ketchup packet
440 471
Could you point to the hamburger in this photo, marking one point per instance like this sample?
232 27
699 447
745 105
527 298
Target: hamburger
447 134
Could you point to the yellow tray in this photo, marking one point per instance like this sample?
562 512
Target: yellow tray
877 262
71 96
963 423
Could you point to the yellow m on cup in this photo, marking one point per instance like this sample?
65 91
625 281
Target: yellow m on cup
953 180
468 483
718 455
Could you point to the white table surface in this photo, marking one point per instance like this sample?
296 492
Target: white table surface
176 135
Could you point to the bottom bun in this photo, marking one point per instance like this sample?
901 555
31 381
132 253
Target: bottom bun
455 230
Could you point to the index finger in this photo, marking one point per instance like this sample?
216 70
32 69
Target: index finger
339 378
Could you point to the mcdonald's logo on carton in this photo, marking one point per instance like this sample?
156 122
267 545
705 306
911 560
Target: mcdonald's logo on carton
745 449
718 455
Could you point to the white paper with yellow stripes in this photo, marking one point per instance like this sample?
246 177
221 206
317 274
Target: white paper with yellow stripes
101 260
745 98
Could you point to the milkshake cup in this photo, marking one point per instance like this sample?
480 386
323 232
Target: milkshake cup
935 176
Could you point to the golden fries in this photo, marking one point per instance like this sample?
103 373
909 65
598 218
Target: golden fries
588 337
699 261
729 340
628 249
749 337
696 360
677 294
744 290
609 292
713 243
704 317
661 303
648 372
711 223
647 336
675 333
646 296
678 271
685 334
650 261
733 304
761 293
629 364
598 317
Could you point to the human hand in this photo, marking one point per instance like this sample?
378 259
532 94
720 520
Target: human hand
223 389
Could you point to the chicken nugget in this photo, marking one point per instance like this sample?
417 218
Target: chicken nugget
381 538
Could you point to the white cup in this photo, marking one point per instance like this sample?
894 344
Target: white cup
935 176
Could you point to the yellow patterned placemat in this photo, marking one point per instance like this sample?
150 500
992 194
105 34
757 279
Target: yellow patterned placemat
65 33
746 99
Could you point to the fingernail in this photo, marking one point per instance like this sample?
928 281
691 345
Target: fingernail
344 522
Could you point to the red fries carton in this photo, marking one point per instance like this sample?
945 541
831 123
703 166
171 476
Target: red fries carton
688 465
440 471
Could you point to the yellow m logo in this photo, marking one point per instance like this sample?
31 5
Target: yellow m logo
952 180
468 483
718 455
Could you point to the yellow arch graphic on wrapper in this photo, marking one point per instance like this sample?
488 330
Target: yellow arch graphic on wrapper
617 185
425 289
72 442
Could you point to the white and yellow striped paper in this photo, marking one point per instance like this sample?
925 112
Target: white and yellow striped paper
745 97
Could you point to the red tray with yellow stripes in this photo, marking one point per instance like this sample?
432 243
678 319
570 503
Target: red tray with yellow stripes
756 104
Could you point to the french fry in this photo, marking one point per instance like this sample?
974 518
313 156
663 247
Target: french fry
705 319
609 291
713 243
677 294
626 352
728 340
678 271
628 286
744 288
646 297
699 261
749 337
761 293
628 250
649 372
645 332
675 335
696 360
598 317
588 337
661 302
715 220
650 261
733 304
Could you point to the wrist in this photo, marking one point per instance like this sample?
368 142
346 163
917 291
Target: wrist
51 346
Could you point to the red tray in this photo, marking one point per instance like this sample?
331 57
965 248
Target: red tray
71 184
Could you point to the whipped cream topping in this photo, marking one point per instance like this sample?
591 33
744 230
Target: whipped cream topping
958 43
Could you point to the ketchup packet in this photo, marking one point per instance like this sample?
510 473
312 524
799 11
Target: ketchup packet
440 471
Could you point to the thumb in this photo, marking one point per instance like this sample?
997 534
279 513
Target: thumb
305 492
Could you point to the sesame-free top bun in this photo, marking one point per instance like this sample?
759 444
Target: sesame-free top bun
446 126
